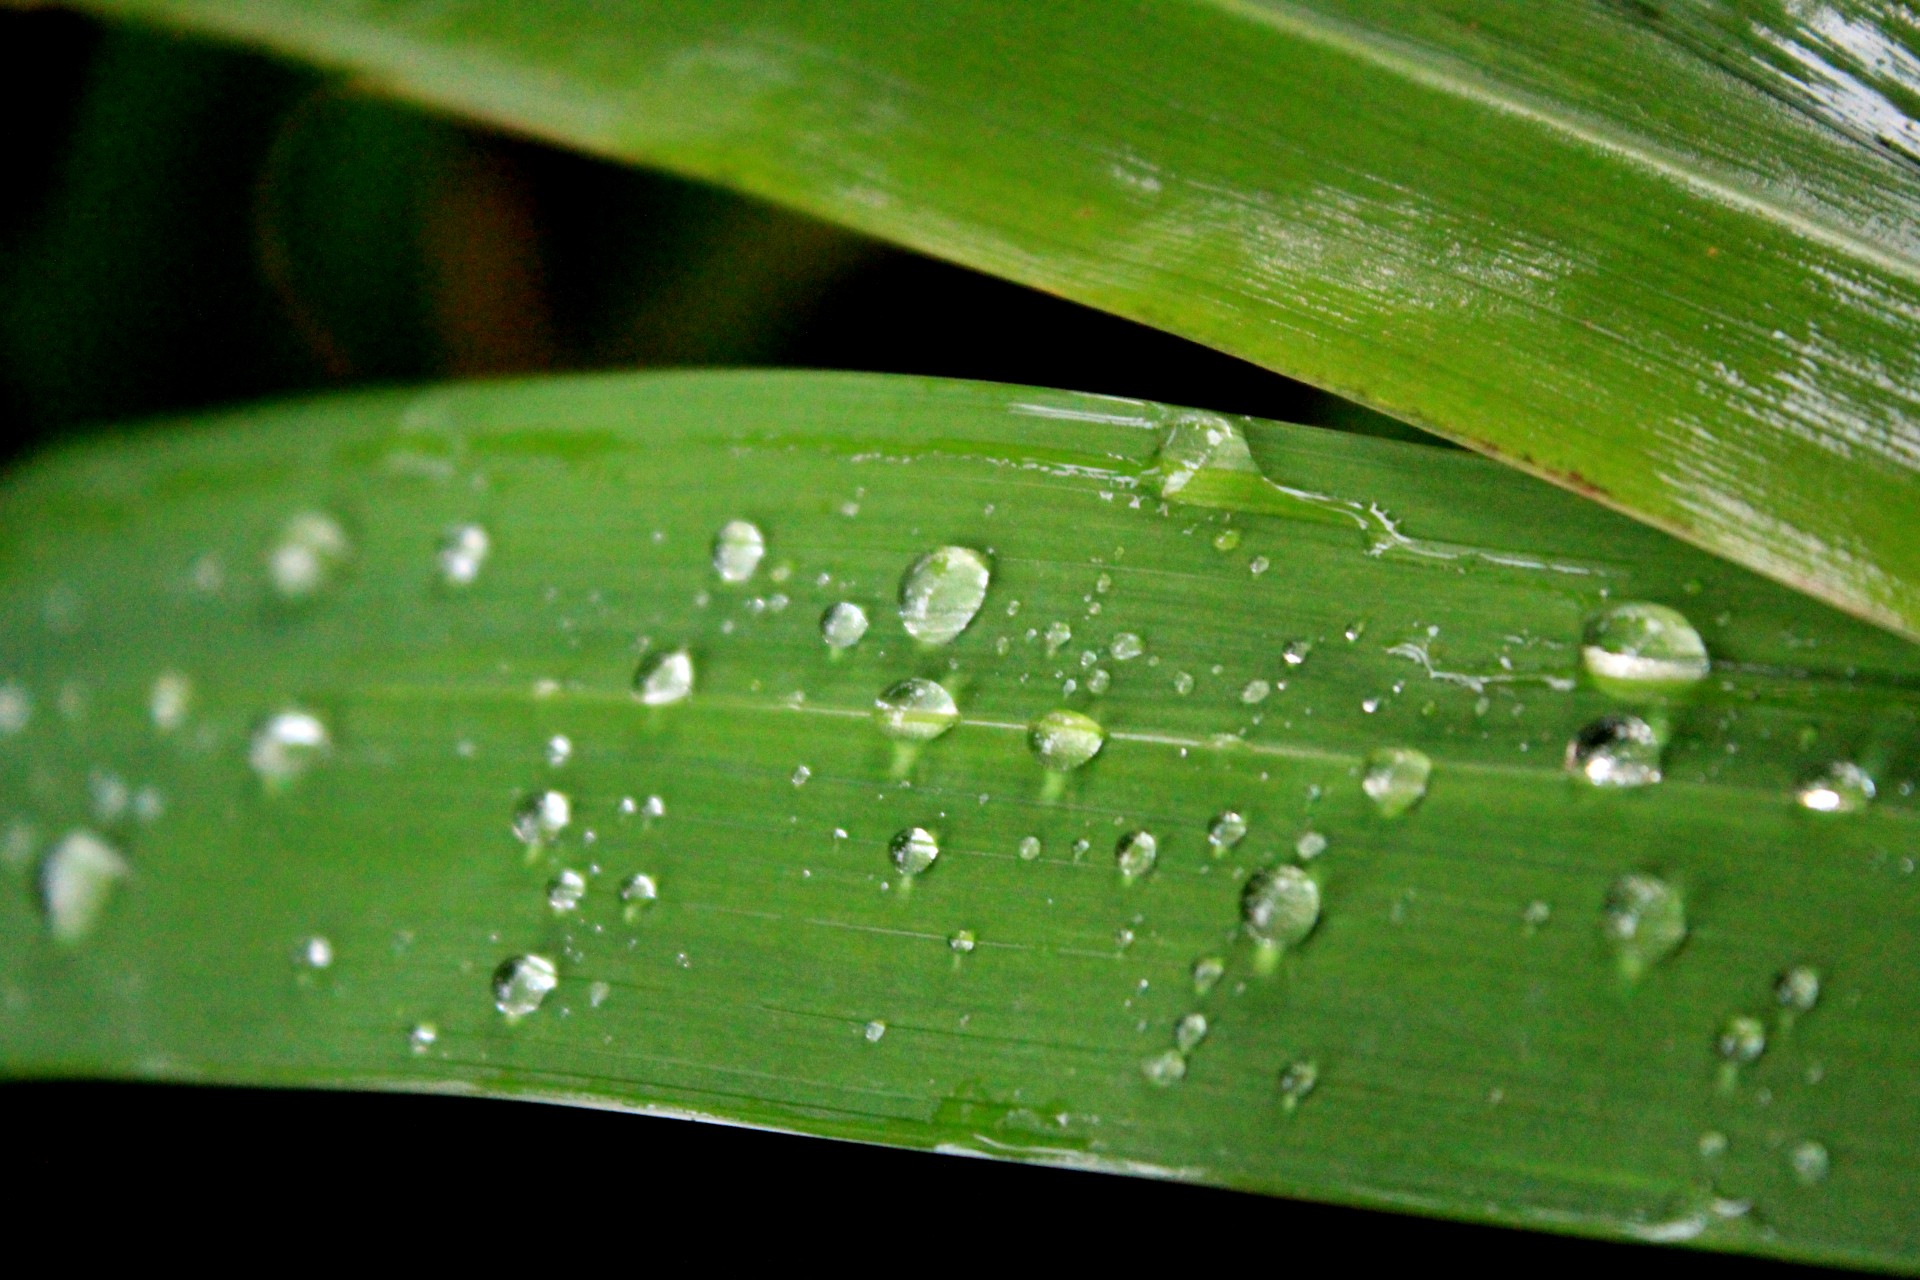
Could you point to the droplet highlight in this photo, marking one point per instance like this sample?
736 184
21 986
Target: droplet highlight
1615 751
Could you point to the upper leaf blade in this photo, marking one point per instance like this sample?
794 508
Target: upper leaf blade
1551 234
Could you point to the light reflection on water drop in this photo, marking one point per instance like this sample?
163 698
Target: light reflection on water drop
737 550
1841 787
1641 652
1396 779
665 680
286 746
1615 751
1065 740
521 984
915 710
942 592
76 880
308 556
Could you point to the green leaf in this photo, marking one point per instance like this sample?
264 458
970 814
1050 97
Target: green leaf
1555 233
277 721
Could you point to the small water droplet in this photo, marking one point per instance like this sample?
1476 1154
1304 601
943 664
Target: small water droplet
1713 1144
1098 680
915 710
665 679
597 993
463 551
1310 845
423 1037
1226 540
521 983
1810 1163
565 891
315 953
1258 565
843 625
1189 1032
1743 1039
286 746
1296 1082
1058 636
1615 751
1126 646
1354 631
962 941
639 892
1207 972
1841 787
1642 652
1182 683
1536 914
1064 740
308 556
1798 988
1296 652
942 592
1029 848
1256 692
914 850
542 816
1226 830
109 794
874 1030
75 882
1136 853
737 550
16 708
1396 779
167 702
559 750
1165 1069
1645 922
800 775
1280 906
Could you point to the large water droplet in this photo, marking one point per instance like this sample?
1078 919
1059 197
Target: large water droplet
914 850
1126 646
1396 779
842 625
1225 831
942 592
1841 787
1164 1069
542 816
874 1031
75 881
1136 853
286 746
566 891
1643 652
1065 740
1743 1039
463 551
522 983
1798 988
915 710
1189 1032
308 556
737 550
1615 751
1646 921
1029 848
1280 906
665 680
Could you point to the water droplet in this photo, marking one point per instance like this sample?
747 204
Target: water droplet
1536 914
316 953
559 749
565 891
1646 921
1058 635
942 592
1713 1144
1810 1163
109 794
1296 1082
1226 540
1743 1039
1126 646
1207 972
914 850
962 941
874 1030
843 625
597 993
1841 787
1182 683
521 983
800 775
1065 740
16 708
1136 853
1296 652
75 881
1256 692
915 710
1258 565
1225 831
664 680
1164 1069
286 746
1280 906
654 807
1615 751
1396 779
311 551
737 550
1029 848
1643 652
168 701
462 553
1098 680
1189 1032
1798 988
639 892
1310 845
423 1037
542 816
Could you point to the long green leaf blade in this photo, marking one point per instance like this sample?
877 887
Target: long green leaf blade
274 716
1551 234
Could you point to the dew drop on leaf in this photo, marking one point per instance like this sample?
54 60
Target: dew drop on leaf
942 592
1065 740
75 882
664 680
915 710
1615 751
1126 646
737 550
1641 652
1280 906
1136 853
542 816
169 700
914 850
1743 1039
1189 1032
1841 787
1645 922
286 746
308 557
1225 831
1165 1069
1810 1163
1798 988
1207 972
842 625
566 891
522 983
1396 779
